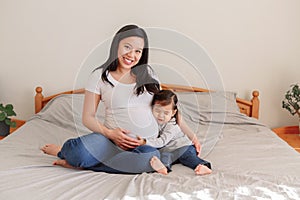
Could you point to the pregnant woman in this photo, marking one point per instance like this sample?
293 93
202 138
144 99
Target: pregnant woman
125 84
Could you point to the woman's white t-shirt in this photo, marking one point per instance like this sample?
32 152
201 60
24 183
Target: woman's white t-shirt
123 108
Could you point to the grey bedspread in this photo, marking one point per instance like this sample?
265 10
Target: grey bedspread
249 161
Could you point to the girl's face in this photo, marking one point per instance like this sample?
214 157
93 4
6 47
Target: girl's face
163 114
130 51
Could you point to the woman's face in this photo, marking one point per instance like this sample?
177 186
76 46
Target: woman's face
130 51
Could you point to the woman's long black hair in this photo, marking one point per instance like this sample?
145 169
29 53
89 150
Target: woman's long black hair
144 81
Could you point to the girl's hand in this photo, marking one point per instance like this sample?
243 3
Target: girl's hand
197 145
119 137
141 140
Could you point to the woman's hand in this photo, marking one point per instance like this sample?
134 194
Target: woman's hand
119 137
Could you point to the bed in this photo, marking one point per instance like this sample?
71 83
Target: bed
248 160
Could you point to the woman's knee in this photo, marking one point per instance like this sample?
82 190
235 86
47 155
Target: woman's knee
83 151
75 144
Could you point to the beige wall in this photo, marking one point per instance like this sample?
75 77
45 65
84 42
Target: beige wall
254 44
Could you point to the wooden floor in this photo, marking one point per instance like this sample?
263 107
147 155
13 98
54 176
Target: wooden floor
290 134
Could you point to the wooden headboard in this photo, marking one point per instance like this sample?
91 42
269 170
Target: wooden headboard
250 108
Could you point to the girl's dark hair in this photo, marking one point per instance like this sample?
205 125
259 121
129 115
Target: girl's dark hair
164 98
141 70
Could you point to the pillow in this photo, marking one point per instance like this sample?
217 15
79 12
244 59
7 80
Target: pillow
205 113
210 101
207 107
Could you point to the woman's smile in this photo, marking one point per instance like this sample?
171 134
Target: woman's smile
128 61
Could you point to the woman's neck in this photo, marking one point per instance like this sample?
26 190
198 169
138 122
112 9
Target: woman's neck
123 76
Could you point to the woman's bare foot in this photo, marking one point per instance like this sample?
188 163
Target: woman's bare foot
63 163
158 166
202 170
51 149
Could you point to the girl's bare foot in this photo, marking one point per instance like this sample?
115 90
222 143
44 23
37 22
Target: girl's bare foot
158 166
202 170
51 149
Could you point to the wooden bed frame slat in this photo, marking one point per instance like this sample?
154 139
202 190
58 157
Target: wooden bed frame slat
41 101
250 108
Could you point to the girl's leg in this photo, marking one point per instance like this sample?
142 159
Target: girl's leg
129 162
188 156
88 150
167 158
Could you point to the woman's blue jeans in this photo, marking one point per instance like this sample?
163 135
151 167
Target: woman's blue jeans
96 152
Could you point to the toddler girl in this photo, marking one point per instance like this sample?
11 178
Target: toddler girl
173 144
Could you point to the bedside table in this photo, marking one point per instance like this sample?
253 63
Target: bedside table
19 124
290 134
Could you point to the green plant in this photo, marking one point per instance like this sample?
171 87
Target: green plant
5 113
292 100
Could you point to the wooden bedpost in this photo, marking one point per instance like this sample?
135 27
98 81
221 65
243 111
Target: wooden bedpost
255 104
38 99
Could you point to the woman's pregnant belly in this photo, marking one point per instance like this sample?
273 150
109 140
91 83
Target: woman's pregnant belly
139 121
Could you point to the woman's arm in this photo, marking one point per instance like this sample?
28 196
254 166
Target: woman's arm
118 135
189 133
91 102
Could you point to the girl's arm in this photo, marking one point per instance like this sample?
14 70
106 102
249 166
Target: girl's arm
162 140
118 135
189 133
